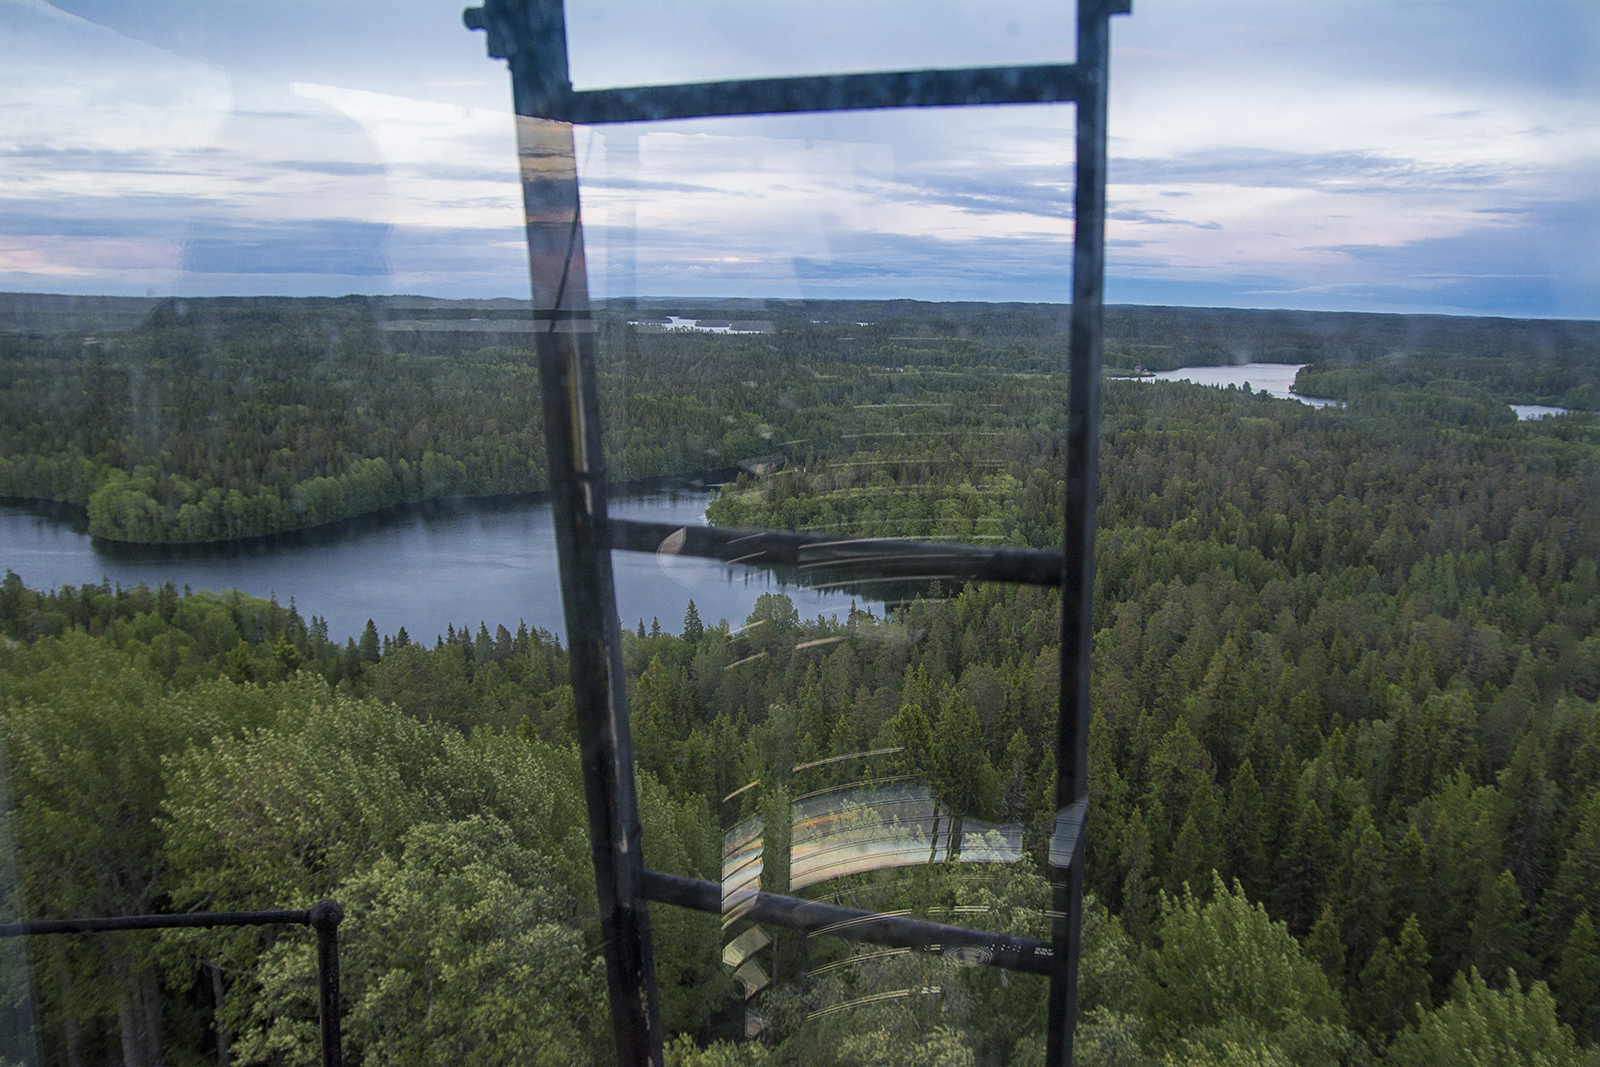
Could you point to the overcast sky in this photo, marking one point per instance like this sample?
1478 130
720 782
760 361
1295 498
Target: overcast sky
1390 155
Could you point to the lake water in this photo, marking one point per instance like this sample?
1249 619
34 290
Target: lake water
485 561
1536 411
1276 379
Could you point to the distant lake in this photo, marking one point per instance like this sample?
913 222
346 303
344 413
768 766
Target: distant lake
1536 411
1276 379
460 564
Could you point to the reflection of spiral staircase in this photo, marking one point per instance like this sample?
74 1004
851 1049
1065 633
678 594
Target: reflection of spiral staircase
531 35
855 828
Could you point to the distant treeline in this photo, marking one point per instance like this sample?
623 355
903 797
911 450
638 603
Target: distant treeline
227 418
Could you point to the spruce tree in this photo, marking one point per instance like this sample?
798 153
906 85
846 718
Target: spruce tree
1499 934
370 647
1244 832
1393 987
1576 886
1305 868
1527 805
1409 888
1324 945
1141 899
693 628
1576 981
1482 1026
1187 869
1360 886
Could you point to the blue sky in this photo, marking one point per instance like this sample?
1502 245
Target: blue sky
1387 155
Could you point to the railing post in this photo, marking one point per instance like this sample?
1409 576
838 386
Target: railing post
1083 477
533 34
325 916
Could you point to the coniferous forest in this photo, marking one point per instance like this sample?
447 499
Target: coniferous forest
1345 752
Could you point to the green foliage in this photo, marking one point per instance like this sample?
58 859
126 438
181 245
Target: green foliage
499 974
1480 1026
1393 985
1224 972
1348 658
683 1052
1576 982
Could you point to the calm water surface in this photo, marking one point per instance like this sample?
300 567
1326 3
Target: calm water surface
491 561
1276 379
1536 411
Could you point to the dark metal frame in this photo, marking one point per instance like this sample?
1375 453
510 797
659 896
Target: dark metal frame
531 36
324 917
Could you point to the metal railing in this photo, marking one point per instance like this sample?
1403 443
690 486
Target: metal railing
531 36
323 917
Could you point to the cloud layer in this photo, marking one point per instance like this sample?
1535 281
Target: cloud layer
1356 154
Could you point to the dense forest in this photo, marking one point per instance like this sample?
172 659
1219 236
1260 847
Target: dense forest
224 418
1345 753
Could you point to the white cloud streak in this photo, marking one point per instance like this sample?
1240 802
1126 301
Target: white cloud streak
1263 154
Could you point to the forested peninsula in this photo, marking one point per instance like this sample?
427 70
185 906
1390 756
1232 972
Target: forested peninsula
1344 756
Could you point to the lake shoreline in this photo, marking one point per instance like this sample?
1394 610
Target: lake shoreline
77 517
426 568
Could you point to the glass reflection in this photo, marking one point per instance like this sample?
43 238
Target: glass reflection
19 1038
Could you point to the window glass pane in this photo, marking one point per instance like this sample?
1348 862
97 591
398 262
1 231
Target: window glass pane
864 749
668 41
285 622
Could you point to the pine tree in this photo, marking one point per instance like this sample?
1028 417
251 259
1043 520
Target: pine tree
959 757
1360 886
1325 945
1415 992
1394 986
1014 788
1576 886
1527 805
240 667
1482 1026
1108 794
1244 833
1141 901
1499 934
1409 882
286 654
1305 868
1187 870
842 741
1577 979
1197 850
693 628
1229 698
913 734
370 648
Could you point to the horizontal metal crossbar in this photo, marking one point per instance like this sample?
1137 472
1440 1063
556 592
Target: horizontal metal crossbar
323 914
1052 83
853 924
830 555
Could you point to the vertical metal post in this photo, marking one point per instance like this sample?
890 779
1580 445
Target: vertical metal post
325 916
531 35
1077 579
